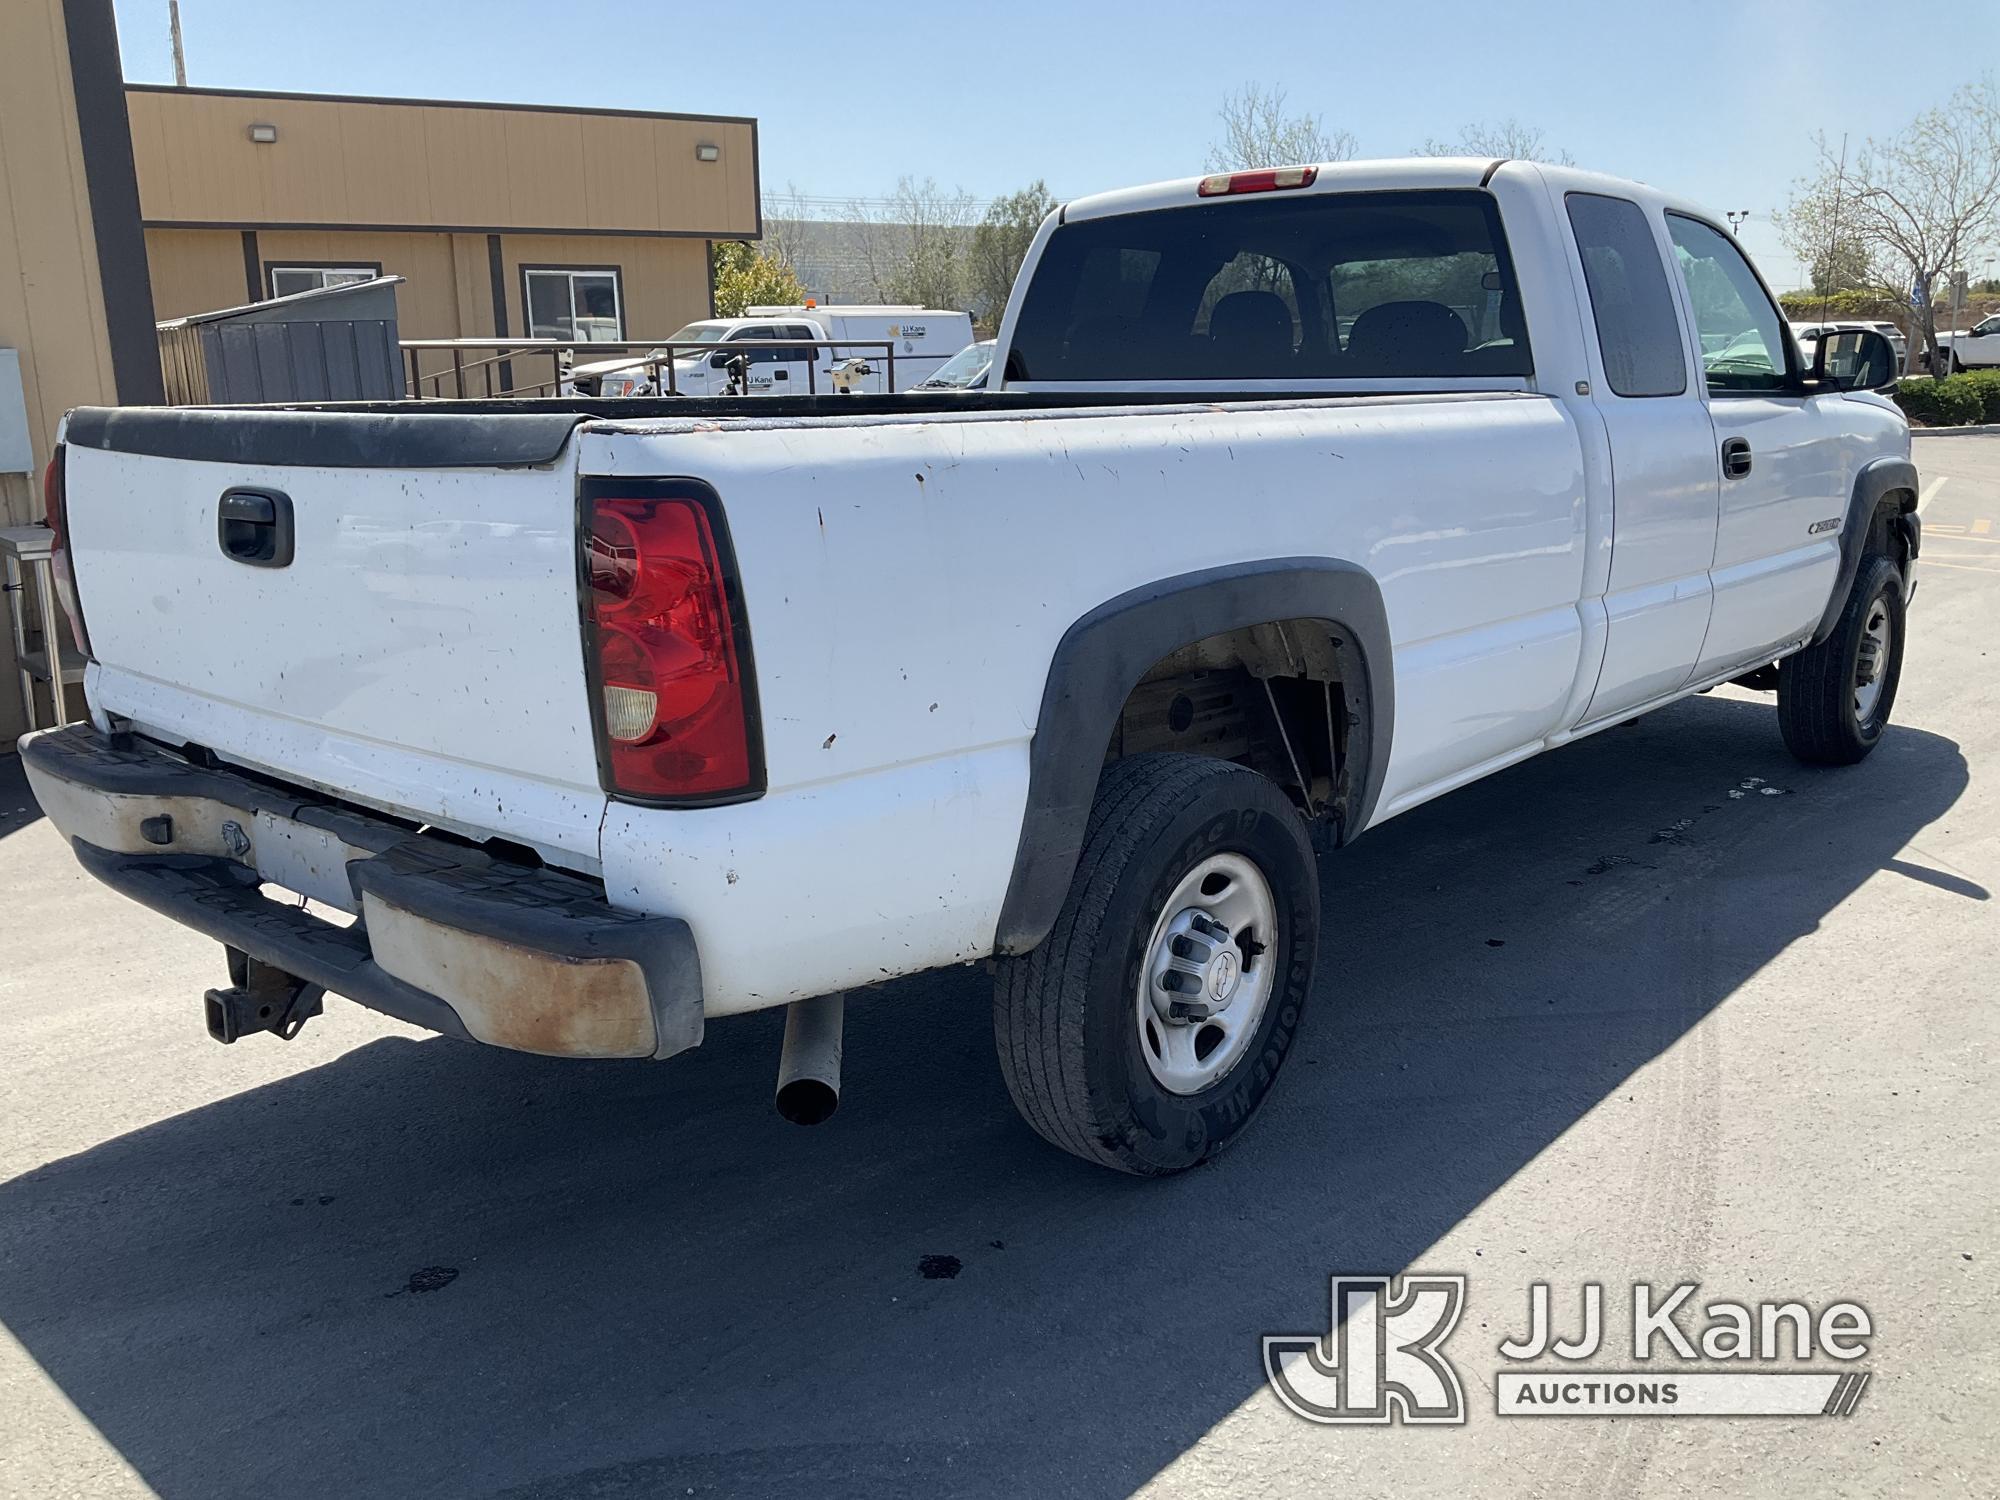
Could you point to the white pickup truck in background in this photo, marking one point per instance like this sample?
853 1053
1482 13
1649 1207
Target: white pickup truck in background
1300 497
919 342
1978 348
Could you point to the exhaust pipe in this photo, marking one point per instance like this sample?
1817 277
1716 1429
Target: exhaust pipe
809 1065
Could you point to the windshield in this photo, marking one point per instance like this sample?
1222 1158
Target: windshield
698 333
964 368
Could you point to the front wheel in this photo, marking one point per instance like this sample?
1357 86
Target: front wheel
1834 698
1150 1024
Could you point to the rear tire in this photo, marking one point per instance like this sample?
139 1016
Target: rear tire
1834 698
1076 1019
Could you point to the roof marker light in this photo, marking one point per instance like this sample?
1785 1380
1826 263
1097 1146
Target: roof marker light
1264 180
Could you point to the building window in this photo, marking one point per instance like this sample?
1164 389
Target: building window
580 303
283 281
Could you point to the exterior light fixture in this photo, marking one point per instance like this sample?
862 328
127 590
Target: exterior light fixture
263 135
708 151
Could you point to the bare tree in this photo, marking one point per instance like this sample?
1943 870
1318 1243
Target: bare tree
1511 138
1256 132
1915 206
790 230
914 244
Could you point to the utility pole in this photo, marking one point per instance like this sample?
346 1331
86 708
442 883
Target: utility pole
180 57
1736 218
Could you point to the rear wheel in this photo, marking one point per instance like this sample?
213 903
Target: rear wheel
1834 698
1150 1024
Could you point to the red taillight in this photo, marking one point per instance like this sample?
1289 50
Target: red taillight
55 496
1265 180
674 713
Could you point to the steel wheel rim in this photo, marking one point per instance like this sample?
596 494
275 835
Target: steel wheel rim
1871 661
1215 937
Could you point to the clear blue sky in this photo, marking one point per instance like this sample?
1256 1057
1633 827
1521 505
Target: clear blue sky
1717 99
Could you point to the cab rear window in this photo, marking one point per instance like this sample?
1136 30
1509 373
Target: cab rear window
1400 285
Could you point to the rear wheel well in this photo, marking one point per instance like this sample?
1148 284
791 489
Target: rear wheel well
1286 698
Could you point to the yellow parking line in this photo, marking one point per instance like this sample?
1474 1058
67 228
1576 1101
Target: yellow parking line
1934 562
1981 526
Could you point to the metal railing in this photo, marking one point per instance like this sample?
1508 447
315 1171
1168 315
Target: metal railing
491 376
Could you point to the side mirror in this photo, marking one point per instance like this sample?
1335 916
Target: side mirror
718 361
1854 359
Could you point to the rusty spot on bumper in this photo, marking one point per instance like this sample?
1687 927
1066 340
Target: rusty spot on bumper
517 997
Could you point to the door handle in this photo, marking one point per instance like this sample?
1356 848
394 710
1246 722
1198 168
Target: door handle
1735 458
254 527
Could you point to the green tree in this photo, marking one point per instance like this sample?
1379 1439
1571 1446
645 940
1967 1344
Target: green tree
746 277
1000 243
1840 267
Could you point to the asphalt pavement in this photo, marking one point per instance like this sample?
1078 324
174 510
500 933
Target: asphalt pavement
1663 1006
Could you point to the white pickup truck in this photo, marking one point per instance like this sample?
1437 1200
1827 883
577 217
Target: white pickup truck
1303 496
887 348
1976 349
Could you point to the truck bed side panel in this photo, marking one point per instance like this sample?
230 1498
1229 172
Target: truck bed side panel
907 581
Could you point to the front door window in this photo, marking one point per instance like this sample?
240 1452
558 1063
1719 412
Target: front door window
1743 346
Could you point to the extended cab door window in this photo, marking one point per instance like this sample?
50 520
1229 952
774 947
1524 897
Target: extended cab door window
1638 331
1743 344
1663 471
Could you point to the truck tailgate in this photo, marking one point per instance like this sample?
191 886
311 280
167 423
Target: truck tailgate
420 651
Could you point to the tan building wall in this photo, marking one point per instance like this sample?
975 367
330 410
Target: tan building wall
448 292
196 270
51 306
664 283
451 166
53 292
444 195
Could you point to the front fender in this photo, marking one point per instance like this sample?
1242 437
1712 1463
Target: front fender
1874 483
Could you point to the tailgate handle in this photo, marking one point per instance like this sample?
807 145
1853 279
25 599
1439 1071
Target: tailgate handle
254 527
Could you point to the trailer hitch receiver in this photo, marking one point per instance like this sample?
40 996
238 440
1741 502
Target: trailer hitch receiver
259 998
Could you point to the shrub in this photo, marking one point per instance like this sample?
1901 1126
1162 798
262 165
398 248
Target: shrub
1987 384
1810 307
1955 401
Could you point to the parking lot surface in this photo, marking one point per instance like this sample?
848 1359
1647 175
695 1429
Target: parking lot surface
1662 1006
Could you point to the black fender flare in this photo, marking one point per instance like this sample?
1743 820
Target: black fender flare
1101 658
1874 482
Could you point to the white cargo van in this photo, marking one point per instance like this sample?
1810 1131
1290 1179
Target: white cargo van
923 339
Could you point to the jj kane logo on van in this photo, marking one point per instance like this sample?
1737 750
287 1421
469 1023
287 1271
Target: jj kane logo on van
1382 1357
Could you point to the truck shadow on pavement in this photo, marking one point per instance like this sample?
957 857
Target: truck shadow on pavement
426 1268
18 807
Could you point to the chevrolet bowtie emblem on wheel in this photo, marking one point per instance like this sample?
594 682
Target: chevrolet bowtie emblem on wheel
1379 1361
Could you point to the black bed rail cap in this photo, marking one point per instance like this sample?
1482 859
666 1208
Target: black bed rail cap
323 438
